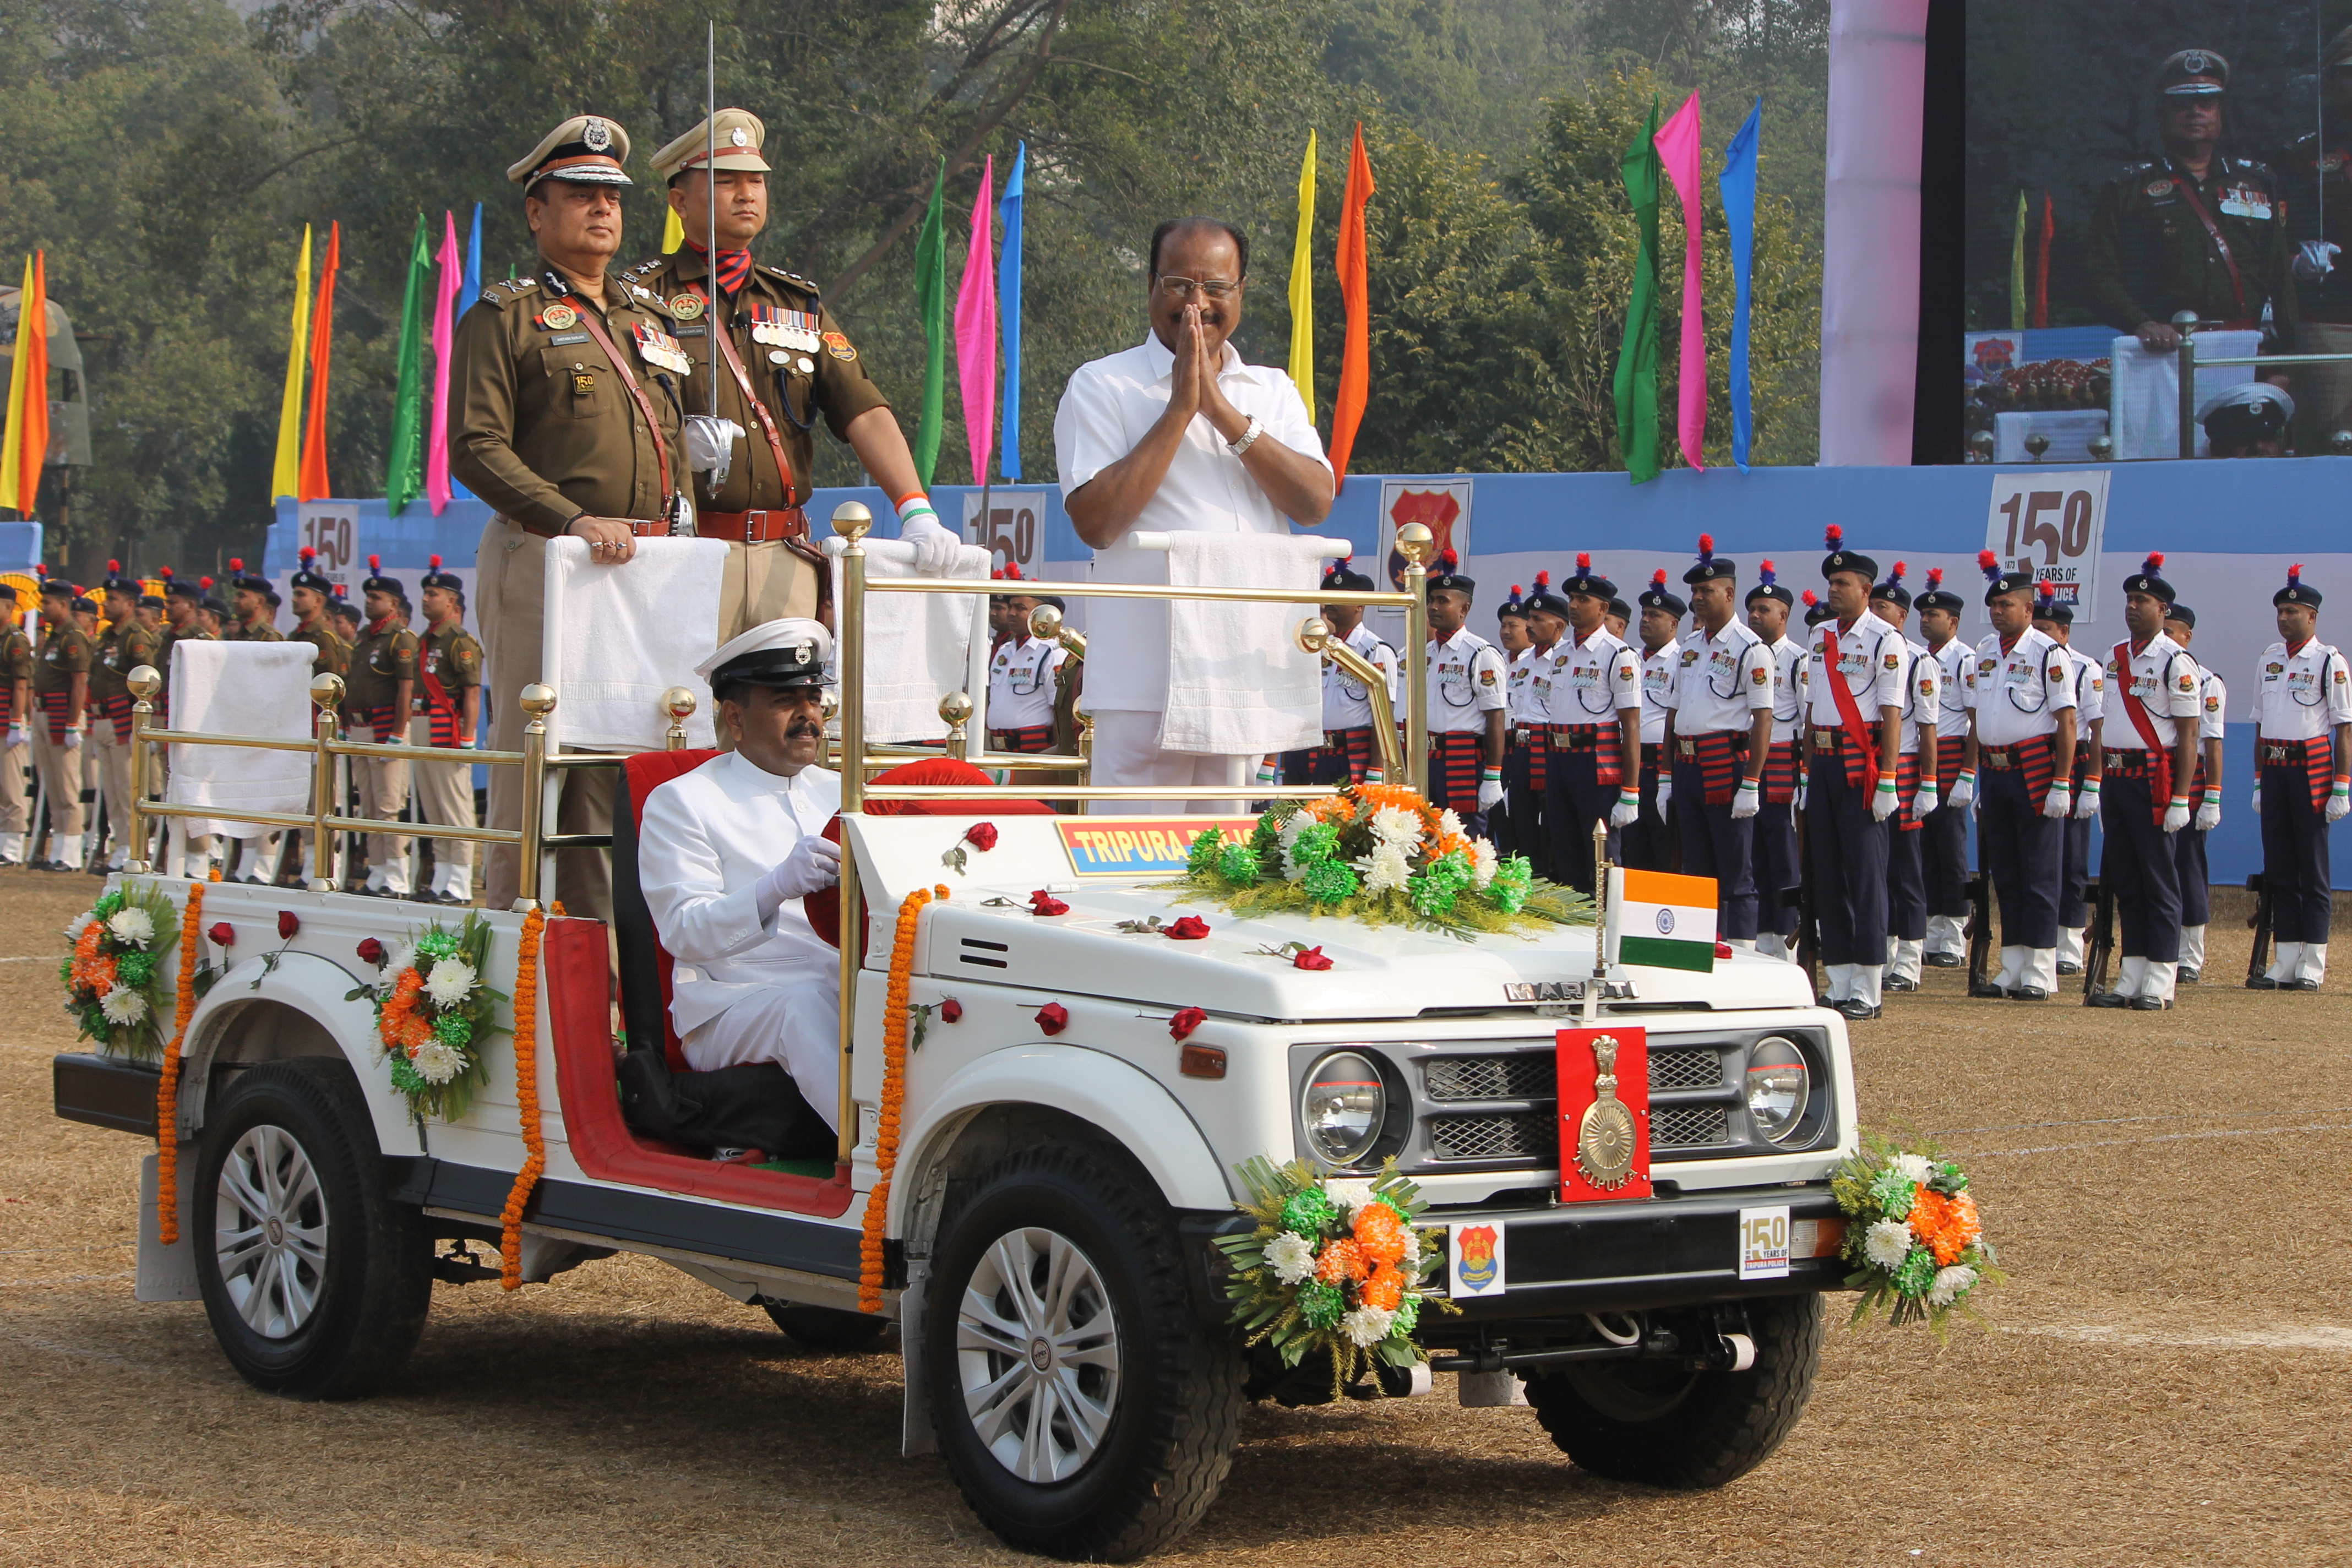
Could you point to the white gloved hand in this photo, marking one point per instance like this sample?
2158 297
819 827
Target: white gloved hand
2338 802
2208 815
2176 815
1746 800
1924 802
1490 790
73 740
2086 804
1628 806
2059 803
935 547
1805 787
15 736
2257 802
1964 790
1268 773
2314 260
813 864
1665 793
710 446
1883 800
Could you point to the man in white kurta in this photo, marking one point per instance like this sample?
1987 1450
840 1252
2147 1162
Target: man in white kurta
1176 434
727 853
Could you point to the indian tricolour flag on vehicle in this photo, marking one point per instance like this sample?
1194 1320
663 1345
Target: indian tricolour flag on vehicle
1661 921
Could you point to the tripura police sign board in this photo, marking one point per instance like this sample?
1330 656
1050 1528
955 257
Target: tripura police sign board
2053 525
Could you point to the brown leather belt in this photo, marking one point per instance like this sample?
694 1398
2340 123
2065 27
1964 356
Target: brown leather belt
760 527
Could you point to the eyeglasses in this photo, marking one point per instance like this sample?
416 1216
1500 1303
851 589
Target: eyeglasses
1210 288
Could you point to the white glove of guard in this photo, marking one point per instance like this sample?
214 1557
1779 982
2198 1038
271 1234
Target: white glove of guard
15 736
1884 800
2338 802
710 446
2257 802
1924 804
1665 793
1266 770
1964 790
73 740
1805 787
1628 806
813 864
2314 260
2176 815
935 547
2208 815
1490 791
2060 801
2086 804
1746 800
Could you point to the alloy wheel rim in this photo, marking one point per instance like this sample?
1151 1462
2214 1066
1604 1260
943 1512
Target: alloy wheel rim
1037 1354
269 1232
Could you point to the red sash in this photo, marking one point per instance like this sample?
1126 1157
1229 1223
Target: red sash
1862 753
2159 761
440 707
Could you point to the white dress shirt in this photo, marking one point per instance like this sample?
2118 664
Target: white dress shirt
1788 688
1923 690
1722 679
1952 662
1871 656
1021 683
1347 705
2090 691
1658 691
2212 725
2018 692
1525 699
2164 679
1465 683
707 838
1589 681
1109 407
2302 695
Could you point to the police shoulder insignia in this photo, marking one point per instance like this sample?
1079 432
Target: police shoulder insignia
1756 677
1926 689
1486 678
839 347
1985 665
2187 683
1893 661
686 307
2159 187
559 317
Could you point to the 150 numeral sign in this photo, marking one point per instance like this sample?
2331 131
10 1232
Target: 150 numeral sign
2053 525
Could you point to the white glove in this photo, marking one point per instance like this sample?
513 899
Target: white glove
1490 790
1964 790
1805 787
1746 800
2086 804
1924 804
813 864
1268 773
1665 793
2338 802
1883 800
15 736
935 547
1628 806
2314 260
2060 801
710 446
2208 815
2176 815
73 740
2257 801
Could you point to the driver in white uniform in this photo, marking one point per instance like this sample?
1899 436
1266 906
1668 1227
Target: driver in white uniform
726 854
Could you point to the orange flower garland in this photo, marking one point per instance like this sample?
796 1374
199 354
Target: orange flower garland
167 1089
894 1091
525 1055
1947 1225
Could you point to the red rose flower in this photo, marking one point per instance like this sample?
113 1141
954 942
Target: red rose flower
1191 927
1053 1017
371 950
1041 902
288 924
1185 1022
981 835
951 1011
223 933
1310 958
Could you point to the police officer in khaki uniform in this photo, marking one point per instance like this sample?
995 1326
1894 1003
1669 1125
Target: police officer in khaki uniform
122 647
61 689
314 594
449 715
16 695
187 853
782 361
568 390
378 689
253 609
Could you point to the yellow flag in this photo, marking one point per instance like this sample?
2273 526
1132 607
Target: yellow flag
1302 286
12 444
286 474
673 233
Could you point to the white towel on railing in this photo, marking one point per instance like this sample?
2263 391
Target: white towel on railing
917 645
241 689
1238 682
2144 391
616 637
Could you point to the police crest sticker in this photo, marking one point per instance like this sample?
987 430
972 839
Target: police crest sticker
1475 1261
686 307
838 346
559 317
1604 1125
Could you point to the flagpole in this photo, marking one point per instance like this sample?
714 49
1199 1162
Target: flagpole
710 192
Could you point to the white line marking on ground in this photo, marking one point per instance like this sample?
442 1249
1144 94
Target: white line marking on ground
2317 1337
2167 1138
63 1279
2174 1116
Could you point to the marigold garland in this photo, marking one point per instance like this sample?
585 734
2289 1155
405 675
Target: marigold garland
167 1089
525 1055
894 1091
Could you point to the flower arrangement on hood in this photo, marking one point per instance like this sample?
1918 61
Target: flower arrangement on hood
114 976
434 1015
1912 1233
1334 1267
1379 853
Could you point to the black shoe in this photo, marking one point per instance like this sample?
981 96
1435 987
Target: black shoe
2260 982
2029 993
1855 1009
2188 976
1989 992
2298 984
2150 1003
2107 999
2068 966
1897 982
1941 960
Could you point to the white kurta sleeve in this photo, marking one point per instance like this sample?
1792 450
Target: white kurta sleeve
681 871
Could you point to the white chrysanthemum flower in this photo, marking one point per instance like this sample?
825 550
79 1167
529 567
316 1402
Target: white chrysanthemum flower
1482 863
79 925
1449 823
1950 1285
1291 1257
447 985
133 925
1297 823
1411 1262
1887 1243
404 959
436 1062
1367 1326
1394 824
1913 1167
1348 1195
123 1007
1384 867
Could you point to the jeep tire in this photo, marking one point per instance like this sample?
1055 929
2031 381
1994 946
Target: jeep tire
1682 1429
1083 1410
316 1281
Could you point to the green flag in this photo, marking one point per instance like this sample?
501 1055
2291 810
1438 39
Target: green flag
2017 313
404 466
931 298
1637 359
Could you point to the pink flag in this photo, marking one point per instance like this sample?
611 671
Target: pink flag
1678 144
975 329
436 429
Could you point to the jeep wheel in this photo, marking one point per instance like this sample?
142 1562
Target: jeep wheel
1674 1427
316 1282
1084 1411
827 1327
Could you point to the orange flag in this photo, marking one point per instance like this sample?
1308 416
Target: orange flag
26 438
1356 362
313 485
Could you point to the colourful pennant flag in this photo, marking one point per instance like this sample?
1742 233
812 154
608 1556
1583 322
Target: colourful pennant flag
1355 288
975 327
1738 185
931 304
1008 306
673 232
2017 306
286 472
314 485
444 326
1302 286
1677 145
2041 268
25 440
468 292
1636 382
403 465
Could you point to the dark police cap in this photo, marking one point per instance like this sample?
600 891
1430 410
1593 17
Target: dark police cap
2297 592
2192 73
1543 600
1841 559
436 578
377 582
1767 586
2177 611
1512 604
1815 611
1621 609
2000 580
1449 575
1341 579
1656 597
116 583
2146 581
1587 581
308 576
2047 607
1938 597
1711 567
1892 591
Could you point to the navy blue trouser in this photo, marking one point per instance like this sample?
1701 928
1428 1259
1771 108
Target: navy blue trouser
1776 871
2196 882
2137 863
1645 844
1518 826
1906 883
1944 856
1572 803
1715 845
1847 850
2294 855
2023 851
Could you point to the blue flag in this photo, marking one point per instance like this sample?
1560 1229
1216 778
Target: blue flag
1008 311
1739 215
468 292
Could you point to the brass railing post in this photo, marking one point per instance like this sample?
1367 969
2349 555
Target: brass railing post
679 704
326 859
1416 543
145 684
538 701
1315 635
956 709
851 521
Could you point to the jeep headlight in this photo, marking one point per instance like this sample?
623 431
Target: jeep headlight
1780 1086
1342 1108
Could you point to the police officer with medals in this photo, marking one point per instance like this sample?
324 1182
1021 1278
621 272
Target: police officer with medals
2195 877
1538 622
1718 736
122 647
2302 708
16 712
1592 699
1918 783
2055 620
1348 752
379 691
782 360
1944 846
1021 683
2020 696
61 691
2148 760
1466 702
1854 732
1508 823
2194 230
567 391
1774 835
446 715
1646 843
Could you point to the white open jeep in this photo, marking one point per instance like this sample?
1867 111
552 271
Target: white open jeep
1048 1251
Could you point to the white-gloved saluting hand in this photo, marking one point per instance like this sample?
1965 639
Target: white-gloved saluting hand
813 864
2314 260
1490 789
1747 799
2208 815
15 736
2060 801
1964 790
935 547
1628 806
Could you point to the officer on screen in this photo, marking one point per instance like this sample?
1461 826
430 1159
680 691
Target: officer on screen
2248 420
1944 848
1854 732
1718 732
2302 706
1775 835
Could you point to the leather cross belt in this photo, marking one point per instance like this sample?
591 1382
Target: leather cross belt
756 527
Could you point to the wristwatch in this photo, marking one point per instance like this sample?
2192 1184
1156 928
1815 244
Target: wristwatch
1250 433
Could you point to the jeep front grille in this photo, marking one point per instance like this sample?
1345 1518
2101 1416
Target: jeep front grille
1689 1127
1523 1135
1698 1066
